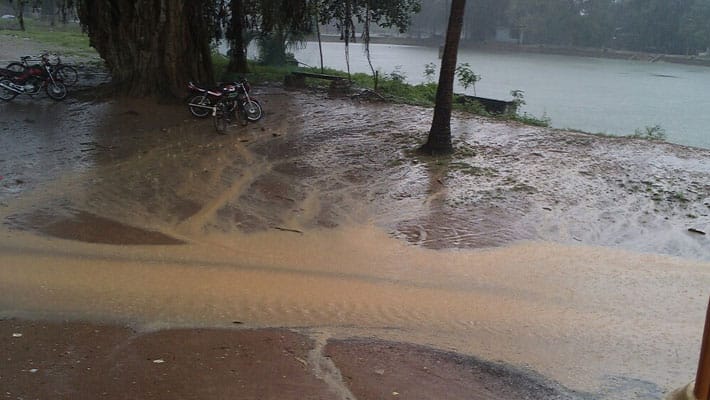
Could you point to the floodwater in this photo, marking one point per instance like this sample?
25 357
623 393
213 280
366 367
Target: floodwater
560 253
594 95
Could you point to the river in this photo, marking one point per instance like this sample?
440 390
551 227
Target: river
616 97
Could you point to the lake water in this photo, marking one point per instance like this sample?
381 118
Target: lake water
591 94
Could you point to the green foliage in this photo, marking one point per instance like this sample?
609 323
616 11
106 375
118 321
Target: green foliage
472 107
385 13
429 72
655 133
397 75
518 98
258 73
528 119
272 50
467 78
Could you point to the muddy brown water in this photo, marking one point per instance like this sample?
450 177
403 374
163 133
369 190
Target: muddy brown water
557 252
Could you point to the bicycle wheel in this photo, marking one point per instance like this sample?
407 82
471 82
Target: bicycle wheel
15 67
6 94
199 100
67 74
220 118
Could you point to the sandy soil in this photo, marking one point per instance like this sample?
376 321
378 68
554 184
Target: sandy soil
576 258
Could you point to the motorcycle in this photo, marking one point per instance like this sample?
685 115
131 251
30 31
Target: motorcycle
31 81
233 101
67 73
202 101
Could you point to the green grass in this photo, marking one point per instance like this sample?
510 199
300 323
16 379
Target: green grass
258 73
391 86
65 39
654 133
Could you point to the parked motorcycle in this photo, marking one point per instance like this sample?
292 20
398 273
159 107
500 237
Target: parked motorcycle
202 100
31 81
233 103
66 73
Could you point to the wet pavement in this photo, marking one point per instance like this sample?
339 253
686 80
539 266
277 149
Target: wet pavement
575 257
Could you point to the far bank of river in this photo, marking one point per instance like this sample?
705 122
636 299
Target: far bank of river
596 95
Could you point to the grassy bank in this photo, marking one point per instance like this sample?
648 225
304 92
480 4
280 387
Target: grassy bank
392 87
66 39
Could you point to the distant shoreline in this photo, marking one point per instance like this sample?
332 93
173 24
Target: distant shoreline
539 49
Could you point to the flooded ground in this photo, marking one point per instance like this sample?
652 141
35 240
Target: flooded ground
580 258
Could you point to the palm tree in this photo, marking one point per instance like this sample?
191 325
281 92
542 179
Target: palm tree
439 141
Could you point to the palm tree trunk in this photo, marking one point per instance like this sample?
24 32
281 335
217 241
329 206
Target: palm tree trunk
439 140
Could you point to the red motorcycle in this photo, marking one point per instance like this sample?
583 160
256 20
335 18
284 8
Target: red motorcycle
31 81
202 100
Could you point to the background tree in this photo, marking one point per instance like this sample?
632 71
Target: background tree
393 14
595 27
695 27
151 47
236 35
482 18
439 140
49 11
282 23
661 26
19 7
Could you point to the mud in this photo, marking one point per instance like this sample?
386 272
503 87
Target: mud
85 361
88 228
379 370
322 162
557 252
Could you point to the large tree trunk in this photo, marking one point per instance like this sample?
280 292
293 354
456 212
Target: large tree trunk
237 48
439 140
151 47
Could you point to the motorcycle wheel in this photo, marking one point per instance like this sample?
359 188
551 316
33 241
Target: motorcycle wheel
253 110
68 75
220 119
57 91
6 94
199 112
